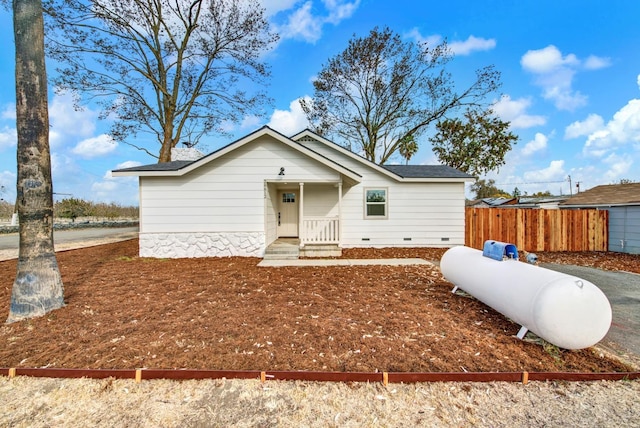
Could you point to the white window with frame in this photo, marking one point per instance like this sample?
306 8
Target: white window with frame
375 203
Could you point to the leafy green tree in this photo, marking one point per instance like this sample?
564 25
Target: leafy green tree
487 189
73 208
175 69
544 194
408 147
38 286
476 145
516 193
380 90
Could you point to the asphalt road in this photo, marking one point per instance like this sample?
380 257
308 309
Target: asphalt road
67 239
623 291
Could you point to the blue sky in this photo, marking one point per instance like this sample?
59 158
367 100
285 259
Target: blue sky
570 73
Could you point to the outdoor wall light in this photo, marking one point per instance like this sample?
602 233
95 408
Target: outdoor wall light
281 171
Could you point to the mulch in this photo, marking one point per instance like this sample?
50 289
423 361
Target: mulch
123 311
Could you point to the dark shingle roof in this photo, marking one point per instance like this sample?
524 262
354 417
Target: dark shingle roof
426 171
612 194
165 166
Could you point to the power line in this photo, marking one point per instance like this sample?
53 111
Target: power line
529 182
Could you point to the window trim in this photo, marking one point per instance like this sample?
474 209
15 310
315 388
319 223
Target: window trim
385 204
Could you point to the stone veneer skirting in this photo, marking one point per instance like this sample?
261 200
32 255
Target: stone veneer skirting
211 244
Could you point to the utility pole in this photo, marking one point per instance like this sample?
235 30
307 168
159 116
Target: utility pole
570 189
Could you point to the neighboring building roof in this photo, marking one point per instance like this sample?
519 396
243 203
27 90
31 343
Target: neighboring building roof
606 195
521 202
426 171
498 202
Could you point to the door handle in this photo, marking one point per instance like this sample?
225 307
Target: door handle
278 218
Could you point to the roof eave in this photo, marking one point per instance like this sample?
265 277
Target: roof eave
346 152
620 204
437 179
265 130
171 173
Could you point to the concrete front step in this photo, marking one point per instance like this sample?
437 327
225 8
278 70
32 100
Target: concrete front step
283 249
289 249
320 251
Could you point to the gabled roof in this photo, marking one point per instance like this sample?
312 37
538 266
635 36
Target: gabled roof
606 195
408 173
165 166
178 168
418 173
426 171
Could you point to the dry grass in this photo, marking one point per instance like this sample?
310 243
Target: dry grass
38 402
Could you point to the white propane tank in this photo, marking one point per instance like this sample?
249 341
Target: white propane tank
564 310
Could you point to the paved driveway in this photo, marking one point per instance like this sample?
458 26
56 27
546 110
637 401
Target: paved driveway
623 291
70 239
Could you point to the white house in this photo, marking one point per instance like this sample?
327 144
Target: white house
243 197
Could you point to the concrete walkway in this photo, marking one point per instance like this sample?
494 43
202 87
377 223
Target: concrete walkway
343 262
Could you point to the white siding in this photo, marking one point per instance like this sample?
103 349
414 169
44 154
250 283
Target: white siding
234 198
227 194
429 214
270 199
419 214
320 200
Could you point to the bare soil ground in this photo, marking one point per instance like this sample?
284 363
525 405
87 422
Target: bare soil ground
123 311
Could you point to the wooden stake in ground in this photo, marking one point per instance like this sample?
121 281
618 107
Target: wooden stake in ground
38 285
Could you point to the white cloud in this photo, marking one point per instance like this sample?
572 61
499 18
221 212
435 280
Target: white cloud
95 147
273 7
595 62
289 122
577 129
555 72
472 44
123 190
8 138
514 112
638 81
554 172
125 164
9 113
339 10
250 122
618 166
458 47
622 130
303 22
67 120
431 41
547 60
538 143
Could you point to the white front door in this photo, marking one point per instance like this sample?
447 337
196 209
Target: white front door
287 213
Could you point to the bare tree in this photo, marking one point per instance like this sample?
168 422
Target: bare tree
176 69
381 90
38 285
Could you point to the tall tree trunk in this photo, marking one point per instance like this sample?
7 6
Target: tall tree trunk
38 286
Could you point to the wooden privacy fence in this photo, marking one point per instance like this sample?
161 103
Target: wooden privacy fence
538 229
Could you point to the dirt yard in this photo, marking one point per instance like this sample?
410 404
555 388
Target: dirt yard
123 311
127 312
